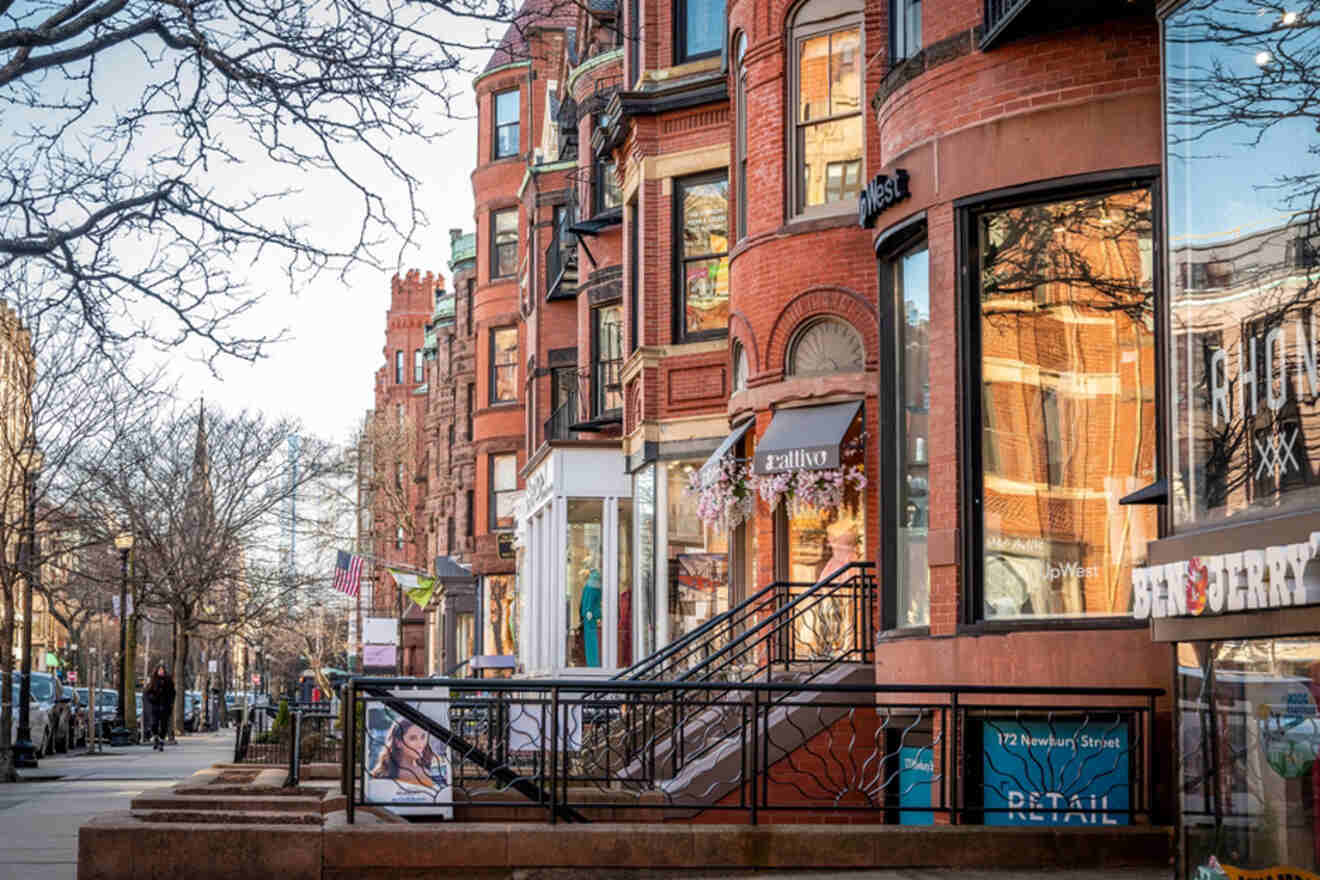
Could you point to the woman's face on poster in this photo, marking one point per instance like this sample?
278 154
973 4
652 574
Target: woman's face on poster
414 742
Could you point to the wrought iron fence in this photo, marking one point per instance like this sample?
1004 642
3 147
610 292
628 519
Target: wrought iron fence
998 13
740 751
262 741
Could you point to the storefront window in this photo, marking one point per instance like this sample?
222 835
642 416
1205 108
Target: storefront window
501 634
1249 735
583 581
625 603
644 509
464 635
1244 260
698 556
912 324
1068 397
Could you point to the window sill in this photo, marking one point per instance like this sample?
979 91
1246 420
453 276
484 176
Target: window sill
902 634
1062 624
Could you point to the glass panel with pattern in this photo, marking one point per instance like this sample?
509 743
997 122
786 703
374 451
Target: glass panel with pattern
826 347
829 121
1068 370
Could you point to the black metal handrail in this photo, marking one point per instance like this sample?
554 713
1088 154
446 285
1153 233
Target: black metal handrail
998 15
1031 755
561 258
559 425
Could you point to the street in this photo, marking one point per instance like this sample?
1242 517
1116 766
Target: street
39 819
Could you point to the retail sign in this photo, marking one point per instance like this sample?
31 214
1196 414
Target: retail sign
1057 772
406 767
505 545
539 488
881 194
802 458
1272 577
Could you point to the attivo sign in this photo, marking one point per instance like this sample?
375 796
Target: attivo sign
881 194
1271 577
805 458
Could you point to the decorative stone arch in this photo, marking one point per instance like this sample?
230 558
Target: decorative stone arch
820 302
742 332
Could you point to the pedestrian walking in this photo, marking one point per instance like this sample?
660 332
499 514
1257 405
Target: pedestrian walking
160 693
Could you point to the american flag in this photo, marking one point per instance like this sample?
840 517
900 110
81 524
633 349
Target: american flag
348 573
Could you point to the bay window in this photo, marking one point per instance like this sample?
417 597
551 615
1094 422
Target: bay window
827 108
506 124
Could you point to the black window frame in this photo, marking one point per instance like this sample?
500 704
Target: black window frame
681 54
491 492
634 260
495 244
450 537
398 366
471 408
740 135
495 366
971 521
634 37
892 246
470 502
677 276
496 125
599 369
471 288
902 44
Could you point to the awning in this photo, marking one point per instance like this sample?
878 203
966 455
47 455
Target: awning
712 465
807 437
446 569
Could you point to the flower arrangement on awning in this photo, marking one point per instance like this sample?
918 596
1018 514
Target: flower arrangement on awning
726 496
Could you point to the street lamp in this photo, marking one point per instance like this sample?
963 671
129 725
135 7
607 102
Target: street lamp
121 736
25 754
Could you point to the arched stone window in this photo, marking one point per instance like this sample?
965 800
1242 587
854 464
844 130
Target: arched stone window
826 346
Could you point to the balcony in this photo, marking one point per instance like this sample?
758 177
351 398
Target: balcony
1007 20
561 260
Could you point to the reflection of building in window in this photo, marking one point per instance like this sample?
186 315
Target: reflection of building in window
503 489
501 631
827 111
504 365
504 241
698 563
703 262
607 346
1068 374
506 124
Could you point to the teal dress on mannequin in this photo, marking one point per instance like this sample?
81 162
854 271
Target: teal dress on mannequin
589 608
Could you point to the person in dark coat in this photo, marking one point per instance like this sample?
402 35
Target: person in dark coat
160 693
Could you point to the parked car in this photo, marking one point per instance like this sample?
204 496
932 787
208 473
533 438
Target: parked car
56 698
81 719
107 709
38 721
192 711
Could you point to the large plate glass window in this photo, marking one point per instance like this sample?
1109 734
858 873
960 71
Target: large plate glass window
703 255
1244 259
504 365
607 392
700 26
504 238
624 602
698 563
1249 737
827 107
1067 376
644 507
506 124
911 292
584 583
503 489
501 614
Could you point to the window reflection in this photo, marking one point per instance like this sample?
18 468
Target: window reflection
501 635
703 260
698 556
584 582
1244 176
1249 736
829 120
912 325
1068 373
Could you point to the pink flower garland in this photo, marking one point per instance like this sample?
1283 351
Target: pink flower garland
725 500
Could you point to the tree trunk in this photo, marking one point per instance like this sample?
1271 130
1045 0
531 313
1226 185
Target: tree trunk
181 684
7 694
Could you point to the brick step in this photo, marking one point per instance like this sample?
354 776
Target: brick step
236 804
228 817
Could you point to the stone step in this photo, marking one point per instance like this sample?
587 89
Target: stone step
233 803
228 817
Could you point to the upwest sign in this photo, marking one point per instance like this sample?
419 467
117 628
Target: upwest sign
1273 577
881 194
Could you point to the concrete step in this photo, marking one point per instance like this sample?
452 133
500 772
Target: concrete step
231 803
229 817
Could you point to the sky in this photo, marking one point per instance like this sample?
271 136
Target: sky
324 374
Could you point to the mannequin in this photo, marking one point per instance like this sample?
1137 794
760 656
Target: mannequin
589 609
842 539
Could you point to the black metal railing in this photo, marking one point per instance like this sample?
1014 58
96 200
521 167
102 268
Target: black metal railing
561 259
260 740
894 753
998 14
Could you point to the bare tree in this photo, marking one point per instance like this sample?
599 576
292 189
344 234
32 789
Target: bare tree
131 173
203 493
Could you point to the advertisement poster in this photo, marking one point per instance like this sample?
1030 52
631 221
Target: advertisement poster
405 767
1062 772
915 775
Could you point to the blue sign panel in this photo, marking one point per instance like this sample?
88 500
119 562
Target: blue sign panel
1056 772
915 775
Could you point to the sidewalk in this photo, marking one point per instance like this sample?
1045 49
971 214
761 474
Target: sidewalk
39 819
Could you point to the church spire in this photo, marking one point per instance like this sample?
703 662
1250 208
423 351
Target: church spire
200 509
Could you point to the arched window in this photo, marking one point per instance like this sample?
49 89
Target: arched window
740 367
740 134
826 346
826 61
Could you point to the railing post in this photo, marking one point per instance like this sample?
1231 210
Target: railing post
350 742
955 770
553 755
294 750
756 751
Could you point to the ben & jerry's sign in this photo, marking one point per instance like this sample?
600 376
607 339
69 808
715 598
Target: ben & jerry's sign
1273 577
